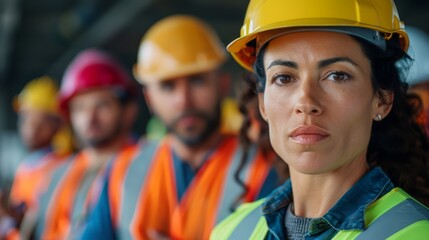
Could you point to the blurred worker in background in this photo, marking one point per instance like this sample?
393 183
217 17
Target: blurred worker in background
97 96
419 73
45 135
181 187
47 138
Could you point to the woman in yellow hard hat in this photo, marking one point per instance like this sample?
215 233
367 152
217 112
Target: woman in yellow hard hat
339 116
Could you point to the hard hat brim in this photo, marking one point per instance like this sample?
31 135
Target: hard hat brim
245 55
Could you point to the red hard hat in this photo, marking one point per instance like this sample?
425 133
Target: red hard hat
92 69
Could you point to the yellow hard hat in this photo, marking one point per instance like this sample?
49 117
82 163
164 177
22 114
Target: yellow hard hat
40 94
266 19
176 46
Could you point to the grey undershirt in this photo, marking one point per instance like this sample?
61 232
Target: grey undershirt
296 227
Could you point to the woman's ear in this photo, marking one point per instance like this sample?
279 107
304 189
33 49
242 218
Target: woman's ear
262 106
384 105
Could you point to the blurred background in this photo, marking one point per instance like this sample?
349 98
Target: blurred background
40 38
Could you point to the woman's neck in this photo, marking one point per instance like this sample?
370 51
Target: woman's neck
314 195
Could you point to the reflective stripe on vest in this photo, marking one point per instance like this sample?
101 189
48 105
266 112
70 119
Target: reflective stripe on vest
250 222
130 189
80 207
74 197
395 205
46 198
58 218
397 212
391 213
32 178
240 224
232 188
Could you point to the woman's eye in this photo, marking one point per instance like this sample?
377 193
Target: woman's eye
338 76
281 79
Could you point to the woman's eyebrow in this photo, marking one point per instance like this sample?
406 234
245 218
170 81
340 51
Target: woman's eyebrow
329 61
322 63
286 63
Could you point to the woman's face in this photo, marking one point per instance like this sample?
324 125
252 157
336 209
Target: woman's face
319 101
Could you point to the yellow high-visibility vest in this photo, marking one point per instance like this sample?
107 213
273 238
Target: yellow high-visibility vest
396 215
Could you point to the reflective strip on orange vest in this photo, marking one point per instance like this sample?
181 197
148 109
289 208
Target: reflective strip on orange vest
31 179
149 198
75 195
123 192
46 198
58 215
157 198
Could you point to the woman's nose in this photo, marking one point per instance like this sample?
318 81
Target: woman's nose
308 98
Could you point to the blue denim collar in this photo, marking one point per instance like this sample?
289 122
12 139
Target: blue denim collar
346 214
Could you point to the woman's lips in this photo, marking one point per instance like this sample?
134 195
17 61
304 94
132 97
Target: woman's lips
308 134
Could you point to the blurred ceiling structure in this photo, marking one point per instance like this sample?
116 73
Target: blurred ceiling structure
40 37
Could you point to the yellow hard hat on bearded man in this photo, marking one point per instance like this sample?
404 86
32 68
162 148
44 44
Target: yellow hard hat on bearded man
177 46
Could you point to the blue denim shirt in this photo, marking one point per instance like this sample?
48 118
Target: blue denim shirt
346 214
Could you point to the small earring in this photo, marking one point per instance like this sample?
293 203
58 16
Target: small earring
378 117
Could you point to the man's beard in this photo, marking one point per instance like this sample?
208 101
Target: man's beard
212 123
104 140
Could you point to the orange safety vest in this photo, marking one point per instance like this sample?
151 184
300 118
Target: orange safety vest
75 191
32 178
143 196
13 234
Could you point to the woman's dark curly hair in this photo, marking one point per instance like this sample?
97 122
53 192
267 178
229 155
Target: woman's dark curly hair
398 143
248 102
249 99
